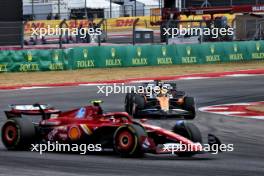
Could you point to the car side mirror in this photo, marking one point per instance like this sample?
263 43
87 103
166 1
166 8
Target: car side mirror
143 120
36 105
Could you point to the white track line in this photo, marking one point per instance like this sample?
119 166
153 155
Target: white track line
212 108
228 112
142 81
240 75
209 109
194 78
35 87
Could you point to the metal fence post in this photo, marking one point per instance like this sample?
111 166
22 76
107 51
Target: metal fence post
201 35
167 26
23 33
85 8
135 7
134 28
99 26
32 9
59 8
60 26
110 8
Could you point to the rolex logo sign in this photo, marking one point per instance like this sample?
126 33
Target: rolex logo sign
113 52
212 48
56 65
236 55
85 53
189 59
25 67
164 59
258 46
138 59
258 54
188 50
164 51
139 52
212 57
29 56
235 48
56 56
114 60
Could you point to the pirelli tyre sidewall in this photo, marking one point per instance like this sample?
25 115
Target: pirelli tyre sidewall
18 134
127 140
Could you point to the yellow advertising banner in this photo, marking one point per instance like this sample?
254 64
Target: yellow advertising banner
230 18
115 24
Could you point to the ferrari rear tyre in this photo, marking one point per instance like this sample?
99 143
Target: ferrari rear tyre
18 134
127 140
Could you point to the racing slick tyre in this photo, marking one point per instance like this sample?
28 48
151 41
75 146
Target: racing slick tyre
18 134
189 131
189 105
129 102
139 100
134 102
128 139
138 103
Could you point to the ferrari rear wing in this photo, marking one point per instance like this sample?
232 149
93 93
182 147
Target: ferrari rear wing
31 110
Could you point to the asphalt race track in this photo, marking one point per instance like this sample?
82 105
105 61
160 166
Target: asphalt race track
246 134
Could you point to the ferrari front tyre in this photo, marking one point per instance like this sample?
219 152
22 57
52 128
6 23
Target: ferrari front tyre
189 131
127 140
18 134
189 105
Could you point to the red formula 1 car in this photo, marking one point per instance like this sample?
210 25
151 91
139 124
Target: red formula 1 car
89 125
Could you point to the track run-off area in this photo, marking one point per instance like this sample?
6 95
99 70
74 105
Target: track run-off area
246 134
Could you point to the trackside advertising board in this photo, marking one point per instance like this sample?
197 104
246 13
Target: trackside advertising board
118 24
129 56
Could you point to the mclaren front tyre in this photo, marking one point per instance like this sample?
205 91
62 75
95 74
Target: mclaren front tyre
189 105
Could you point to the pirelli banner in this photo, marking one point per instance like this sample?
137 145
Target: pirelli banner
129 56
